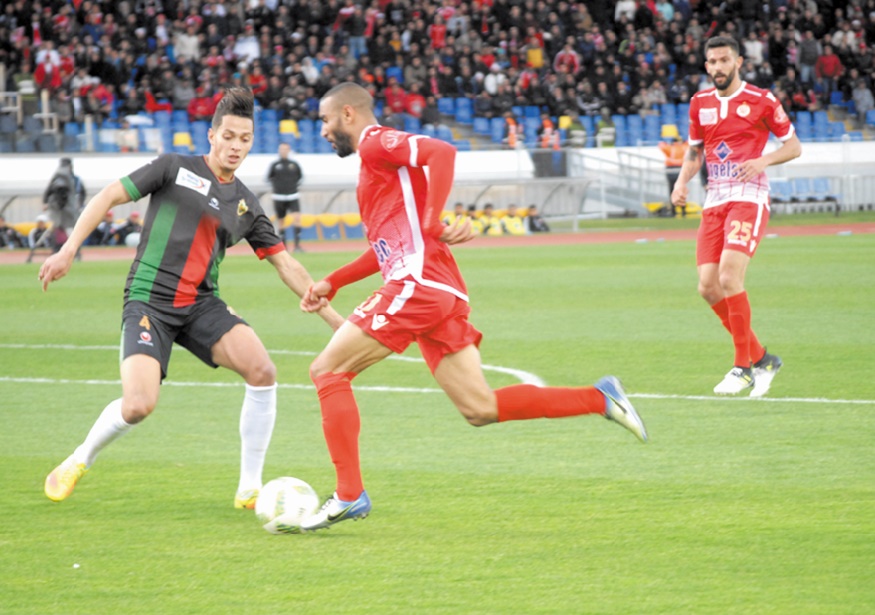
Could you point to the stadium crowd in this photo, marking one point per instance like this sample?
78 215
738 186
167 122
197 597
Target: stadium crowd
117 58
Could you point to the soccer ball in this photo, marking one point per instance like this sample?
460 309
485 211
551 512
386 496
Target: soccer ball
284 503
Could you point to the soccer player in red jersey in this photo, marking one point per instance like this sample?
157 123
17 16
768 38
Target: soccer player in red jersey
423 299
729 128
197 209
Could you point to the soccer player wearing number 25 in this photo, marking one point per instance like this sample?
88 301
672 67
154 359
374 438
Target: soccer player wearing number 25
423 299
197 209
731 123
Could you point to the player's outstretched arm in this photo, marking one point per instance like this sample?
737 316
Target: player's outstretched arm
57 265
295 276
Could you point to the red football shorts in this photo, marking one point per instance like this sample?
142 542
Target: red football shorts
404 311
737 225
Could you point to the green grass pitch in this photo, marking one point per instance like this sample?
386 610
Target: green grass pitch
735 506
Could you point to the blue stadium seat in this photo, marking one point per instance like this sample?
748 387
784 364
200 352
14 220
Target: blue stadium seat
463 145
802 190
781 191
464 110
836 98
8 124
429 130
517 111
652 128
821 189
47 143
6 145
836 131
821 131
481 126
412 124
446 105
870 117
668 113
820 118
444 134
25 145
397 72
496 129
531 111
855 135
269 115
684 112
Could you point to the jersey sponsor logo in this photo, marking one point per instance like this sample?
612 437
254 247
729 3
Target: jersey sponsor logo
391 139
379 321
241 207
187 179
214 203
743 110
707 117
723 151
145 338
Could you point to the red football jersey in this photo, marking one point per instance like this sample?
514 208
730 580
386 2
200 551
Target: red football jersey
734 129
391 193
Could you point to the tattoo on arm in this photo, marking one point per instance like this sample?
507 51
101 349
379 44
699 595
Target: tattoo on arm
693 152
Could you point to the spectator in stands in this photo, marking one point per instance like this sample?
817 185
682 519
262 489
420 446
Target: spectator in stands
127 138
9 237
414 102
863 101
458 212
483 105
430 114
392 119
396 97
809 51
513 131
674 149
535 222
62 199
827 69
183 94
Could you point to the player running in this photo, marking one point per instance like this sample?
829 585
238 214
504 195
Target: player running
731 123
423 299
197 209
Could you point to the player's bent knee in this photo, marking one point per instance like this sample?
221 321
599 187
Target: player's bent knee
262 374
137 408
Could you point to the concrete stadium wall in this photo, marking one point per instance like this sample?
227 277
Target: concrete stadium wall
329 180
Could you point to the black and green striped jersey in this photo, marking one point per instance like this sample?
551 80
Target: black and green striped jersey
191 219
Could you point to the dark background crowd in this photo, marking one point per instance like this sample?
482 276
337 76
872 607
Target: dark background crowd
110 59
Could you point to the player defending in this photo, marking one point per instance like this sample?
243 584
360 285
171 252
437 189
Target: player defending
423 300
198 208
730 125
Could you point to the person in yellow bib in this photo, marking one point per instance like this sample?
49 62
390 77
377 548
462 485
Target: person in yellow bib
513 222
491 223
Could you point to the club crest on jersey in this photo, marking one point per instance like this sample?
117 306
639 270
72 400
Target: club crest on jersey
187 179
241 207
707 117
743 110
391 139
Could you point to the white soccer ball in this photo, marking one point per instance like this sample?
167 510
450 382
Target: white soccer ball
284 503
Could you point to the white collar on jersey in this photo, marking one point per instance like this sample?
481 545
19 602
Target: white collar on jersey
734 94
366 130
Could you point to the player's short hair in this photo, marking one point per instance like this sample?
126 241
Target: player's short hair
236 101
351 94
722 41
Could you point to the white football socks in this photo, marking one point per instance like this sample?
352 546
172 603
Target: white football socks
256 427
109 426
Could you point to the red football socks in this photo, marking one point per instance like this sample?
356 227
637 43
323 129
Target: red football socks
734 312
527 401
341 425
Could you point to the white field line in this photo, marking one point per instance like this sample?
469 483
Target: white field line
522 376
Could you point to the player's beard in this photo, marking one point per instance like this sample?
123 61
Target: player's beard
727 80
342 144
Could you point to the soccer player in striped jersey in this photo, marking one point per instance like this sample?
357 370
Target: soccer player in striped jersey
729 127
423 299
197 209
